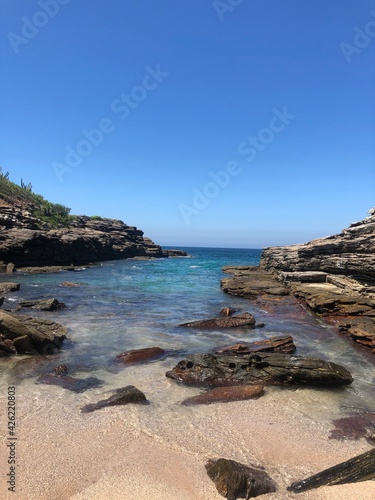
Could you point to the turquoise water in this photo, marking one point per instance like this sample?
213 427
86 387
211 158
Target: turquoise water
130 304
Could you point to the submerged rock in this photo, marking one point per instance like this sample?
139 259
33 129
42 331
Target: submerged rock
225 395
123 396
356 426
234 480
140 355
259 368
245 319
71 383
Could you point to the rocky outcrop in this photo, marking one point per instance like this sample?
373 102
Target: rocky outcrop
244 319
26 240
352 252
259 368
24 335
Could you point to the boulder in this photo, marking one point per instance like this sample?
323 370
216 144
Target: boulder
43 304
225 395
235 480
6 346
260 368
123 396
46 336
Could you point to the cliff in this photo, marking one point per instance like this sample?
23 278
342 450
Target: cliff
35 232
349 253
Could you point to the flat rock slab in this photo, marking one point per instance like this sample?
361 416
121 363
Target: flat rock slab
140 355
251 282
283 344
260 368
225 395
7 287
235 480
123 396
245 319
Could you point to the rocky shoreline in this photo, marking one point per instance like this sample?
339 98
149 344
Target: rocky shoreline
334 277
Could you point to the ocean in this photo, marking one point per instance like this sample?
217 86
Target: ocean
132 304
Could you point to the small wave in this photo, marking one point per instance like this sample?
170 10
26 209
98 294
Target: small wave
194 266
12 300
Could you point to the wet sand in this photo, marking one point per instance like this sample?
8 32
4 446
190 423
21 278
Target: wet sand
159 451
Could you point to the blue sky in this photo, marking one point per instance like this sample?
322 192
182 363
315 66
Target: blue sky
203 122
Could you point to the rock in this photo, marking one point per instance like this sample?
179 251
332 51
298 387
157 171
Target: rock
24 345
260 368
46 336
10 268
123 396
251 282
43 304
359 468
283 344
356 426
225 395
352 253
245 319
1 301
6 346
7 287
175 253
227 311
234 480
60 377
70 283
140 355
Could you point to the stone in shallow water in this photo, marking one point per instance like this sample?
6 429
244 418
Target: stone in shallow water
355 427
283 344
245 319
43 304
225 395
234 480
140 355
71 383
122 396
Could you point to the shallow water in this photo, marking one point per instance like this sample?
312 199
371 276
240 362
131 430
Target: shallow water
121 305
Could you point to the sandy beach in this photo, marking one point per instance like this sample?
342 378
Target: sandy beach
159 451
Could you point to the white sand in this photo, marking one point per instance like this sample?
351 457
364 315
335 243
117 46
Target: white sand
159 451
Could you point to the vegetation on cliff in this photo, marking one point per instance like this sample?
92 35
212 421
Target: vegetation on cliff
53 214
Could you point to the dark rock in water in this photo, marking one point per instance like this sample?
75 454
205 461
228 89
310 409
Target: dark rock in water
225 395
260 368
356 426
140 355
70 283
43 304
245 319
175 253
24 345
234 480
7 287
71 383
283 344
123 396
227 311
60 377
1 301
359 468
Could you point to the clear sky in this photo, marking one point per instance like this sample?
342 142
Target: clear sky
202 122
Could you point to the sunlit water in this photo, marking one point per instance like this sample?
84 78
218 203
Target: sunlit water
130 304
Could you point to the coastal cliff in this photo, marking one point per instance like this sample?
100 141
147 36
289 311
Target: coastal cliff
35 232
349 253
